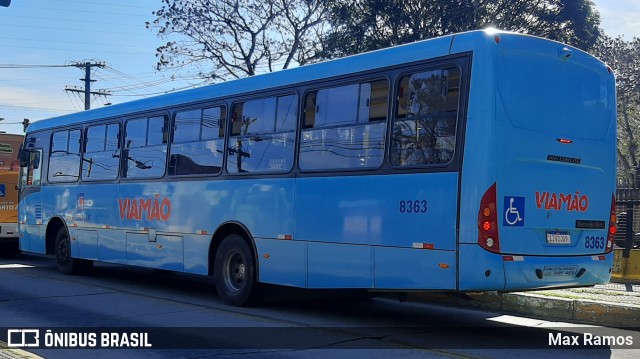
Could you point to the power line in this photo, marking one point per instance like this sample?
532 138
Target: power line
14 107
18 66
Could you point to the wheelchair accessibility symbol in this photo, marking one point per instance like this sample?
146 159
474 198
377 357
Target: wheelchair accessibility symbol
514 211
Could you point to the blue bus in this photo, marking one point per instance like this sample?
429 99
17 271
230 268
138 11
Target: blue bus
471 162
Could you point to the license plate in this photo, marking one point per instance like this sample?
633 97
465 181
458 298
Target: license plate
556 237
560 270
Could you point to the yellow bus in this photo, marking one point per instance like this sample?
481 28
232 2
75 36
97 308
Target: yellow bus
9 171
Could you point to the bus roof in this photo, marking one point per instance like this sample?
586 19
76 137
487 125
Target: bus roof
431 48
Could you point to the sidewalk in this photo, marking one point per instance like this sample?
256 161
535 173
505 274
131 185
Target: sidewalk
615 304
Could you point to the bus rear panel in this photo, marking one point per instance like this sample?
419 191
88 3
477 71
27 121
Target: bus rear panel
547 218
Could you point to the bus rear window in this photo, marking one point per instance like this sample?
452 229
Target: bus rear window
548 95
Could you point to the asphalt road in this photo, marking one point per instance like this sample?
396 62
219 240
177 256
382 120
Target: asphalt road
179 316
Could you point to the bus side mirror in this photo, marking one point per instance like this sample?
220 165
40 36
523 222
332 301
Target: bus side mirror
5 3
29 157
24 157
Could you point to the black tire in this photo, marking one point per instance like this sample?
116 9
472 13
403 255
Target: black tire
235 272
66 264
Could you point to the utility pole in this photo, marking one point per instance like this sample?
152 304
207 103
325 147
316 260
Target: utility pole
87 83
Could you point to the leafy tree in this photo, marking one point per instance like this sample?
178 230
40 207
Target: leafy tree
624 58
363 25
238 38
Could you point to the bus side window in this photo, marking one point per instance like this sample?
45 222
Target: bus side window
100 158
64 160
263 135
348 127
424 128
198 142
145 148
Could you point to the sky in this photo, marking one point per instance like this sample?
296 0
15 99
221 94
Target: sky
53 33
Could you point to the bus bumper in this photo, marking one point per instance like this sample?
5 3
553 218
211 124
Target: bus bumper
514 272
8 232
526 272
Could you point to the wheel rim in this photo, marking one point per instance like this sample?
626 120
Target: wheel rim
235 271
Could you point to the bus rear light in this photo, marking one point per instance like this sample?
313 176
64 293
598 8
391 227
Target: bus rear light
613 226
488 221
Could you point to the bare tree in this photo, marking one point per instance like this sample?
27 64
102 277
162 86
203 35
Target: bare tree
238 38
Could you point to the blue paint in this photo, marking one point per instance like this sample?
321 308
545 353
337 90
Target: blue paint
387 228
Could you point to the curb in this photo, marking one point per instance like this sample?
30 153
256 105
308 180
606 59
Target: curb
580 311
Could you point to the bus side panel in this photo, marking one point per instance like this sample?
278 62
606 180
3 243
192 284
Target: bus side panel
386 210
32 229
112 246
32 238
87 242
263 206
194 247
409 268
334 265
163 252
480 269
92 207
282 262
415 212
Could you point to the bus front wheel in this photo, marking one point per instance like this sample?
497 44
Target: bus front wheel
235 272
67 264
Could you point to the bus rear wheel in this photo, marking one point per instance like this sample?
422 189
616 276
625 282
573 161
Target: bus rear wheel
65 263
235 272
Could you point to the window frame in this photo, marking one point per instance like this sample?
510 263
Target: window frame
67 153
292 91
462 64
386 75
118 150
222 130
166 134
